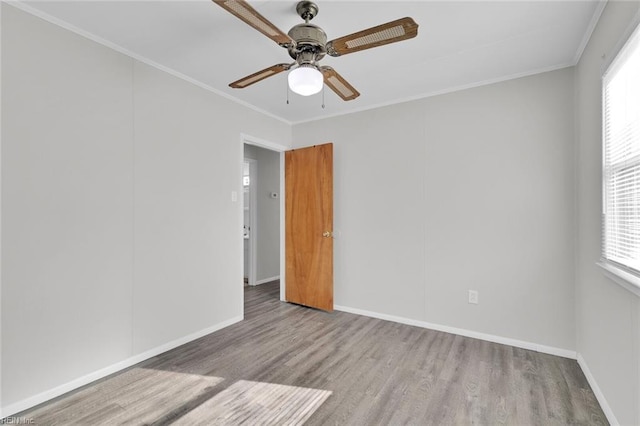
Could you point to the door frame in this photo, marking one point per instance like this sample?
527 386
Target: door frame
279 148
253 220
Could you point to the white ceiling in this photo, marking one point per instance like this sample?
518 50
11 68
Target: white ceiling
459 44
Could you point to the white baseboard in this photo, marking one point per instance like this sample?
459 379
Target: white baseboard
114 368
267 280
565 353
597 392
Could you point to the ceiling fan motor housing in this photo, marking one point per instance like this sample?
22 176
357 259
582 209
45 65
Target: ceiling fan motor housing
310 41
307 10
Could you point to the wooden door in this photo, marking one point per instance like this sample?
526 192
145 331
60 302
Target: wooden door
309 226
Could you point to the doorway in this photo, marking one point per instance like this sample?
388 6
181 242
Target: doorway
261 214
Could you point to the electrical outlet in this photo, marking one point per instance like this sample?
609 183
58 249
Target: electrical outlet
473 297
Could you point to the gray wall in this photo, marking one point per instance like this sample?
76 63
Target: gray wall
268 236
119 233
469 190
608 316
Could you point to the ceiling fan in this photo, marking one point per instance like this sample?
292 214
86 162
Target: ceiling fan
307 45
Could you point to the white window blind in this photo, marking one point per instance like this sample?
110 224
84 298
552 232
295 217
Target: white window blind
621 159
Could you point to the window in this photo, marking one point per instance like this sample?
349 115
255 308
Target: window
621 161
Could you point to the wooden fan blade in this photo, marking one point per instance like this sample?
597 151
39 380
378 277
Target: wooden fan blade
250 16
259 76
391 32
338 84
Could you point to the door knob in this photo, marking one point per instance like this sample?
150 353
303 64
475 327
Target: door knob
326 234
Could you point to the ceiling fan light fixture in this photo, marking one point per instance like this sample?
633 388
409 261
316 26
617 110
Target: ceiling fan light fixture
307 45
305 80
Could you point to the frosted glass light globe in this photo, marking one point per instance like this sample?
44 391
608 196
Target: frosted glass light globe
305 80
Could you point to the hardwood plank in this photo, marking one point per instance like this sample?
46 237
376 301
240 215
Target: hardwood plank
247 402
379 372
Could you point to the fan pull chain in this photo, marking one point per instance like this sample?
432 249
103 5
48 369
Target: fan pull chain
287 92
323 96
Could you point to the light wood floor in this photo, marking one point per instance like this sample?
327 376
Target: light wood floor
380 373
